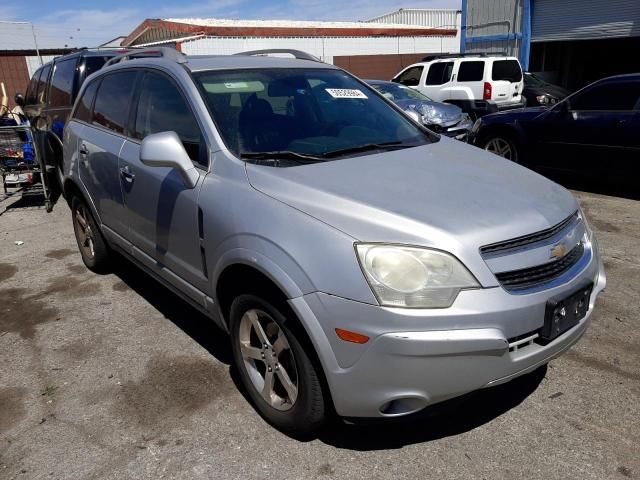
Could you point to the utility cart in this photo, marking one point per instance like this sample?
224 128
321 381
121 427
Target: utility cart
20 163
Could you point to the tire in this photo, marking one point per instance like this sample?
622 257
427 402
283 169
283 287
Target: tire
91 243
501 145
298 410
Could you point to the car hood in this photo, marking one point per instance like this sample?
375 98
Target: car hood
448 195
552 90
449 113
521 114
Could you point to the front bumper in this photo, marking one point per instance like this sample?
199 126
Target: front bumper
416 358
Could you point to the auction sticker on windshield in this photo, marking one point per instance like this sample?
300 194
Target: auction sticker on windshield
345 93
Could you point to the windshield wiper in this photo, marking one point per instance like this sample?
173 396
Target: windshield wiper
277 155
369 146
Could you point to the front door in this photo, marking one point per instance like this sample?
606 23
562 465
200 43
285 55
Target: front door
161 212
590 136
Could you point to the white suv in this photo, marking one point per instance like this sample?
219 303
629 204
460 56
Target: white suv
478 84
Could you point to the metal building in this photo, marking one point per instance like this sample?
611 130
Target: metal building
570 42
350 45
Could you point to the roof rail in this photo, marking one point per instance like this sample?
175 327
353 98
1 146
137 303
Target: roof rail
437 56
165 52
299 54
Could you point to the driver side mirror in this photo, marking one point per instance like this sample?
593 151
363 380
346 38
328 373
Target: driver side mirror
19 100
165 149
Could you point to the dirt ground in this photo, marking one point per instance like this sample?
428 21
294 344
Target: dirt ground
114 377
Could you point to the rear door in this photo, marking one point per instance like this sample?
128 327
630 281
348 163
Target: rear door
506 81
438 81
470 80
99 145
162 214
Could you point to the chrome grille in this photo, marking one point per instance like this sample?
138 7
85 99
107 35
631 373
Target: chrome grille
525 240
540 274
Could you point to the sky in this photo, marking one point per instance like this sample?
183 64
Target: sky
78 23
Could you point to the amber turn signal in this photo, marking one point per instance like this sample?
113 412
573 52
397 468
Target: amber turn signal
352 337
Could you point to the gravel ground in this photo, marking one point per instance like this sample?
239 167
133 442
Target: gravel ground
114 377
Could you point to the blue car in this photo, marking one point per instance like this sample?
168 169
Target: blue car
594 132
444 118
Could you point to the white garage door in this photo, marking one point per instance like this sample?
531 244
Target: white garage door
584 19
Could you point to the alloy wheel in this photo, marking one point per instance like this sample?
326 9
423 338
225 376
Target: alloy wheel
500 147
84 231
268 359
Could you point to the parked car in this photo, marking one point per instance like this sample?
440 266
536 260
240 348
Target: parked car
49 99
593 132
360 263
443 118
539 92
477 83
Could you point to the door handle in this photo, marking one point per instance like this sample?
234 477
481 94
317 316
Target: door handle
127 174
83 150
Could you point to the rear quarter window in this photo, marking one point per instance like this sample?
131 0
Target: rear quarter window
507 70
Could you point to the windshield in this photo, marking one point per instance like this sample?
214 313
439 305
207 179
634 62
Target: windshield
531 80
303 114
395 92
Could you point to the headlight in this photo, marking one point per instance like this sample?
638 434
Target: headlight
435 116
413 277
543 99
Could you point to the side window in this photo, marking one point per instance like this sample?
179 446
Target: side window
32 89
410 77
439 73
83 108
62 83
41 95
112 101
608 97
471 71
162 108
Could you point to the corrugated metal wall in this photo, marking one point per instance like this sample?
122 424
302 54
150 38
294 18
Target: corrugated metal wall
494 17
323 47
430 18
585 19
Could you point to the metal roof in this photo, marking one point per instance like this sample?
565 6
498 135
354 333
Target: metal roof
220 22
19 36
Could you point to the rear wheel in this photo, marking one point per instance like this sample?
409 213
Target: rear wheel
275 368
501 145
92 246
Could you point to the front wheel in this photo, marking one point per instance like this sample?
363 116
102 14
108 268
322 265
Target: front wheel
275 369
503 146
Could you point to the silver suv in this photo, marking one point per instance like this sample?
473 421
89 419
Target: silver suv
360 263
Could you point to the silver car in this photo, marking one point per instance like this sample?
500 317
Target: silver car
360 263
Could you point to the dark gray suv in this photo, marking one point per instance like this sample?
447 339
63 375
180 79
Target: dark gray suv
360 263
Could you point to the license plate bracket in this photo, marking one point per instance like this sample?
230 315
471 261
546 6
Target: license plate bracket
565 313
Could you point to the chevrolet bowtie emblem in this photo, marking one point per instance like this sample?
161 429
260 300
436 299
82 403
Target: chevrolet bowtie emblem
558 251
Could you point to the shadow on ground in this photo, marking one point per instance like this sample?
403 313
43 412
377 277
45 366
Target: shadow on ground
449 418
199 327
22 198
442 420
602 186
